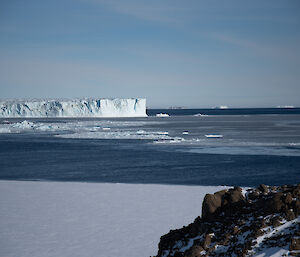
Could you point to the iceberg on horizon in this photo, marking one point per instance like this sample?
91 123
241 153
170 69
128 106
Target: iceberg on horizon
88 107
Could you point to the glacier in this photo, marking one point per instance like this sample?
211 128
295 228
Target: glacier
88 107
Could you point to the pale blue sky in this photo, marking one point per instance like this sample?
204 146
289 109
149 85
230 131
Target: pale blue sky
174 53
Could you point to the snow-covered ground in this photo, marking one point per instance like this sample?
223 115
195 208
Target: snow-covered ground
69 219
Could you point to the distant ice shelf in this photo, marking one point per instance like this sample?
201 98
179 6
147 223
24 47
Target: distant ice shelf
285 106
89 107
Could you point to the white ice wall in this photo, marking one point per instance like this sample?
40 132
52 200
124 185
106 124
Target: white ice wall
133 107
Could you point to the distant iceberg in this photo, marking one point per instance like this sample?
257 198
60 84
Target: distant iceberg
221 107
162 115
133 107
200 115
285 106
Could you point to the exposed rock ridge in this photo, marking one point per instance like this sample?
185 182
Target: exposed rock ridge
236 224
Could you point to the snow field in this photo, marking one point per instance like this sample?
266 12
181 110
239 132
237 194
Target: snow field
40 219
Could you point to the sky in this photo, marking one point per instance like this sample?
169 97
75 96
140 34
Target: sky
192 53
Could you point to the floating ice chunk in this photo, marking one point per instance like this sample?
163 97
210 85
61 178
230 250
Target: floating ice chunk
141 132
174 140
71 126
214 136
221 107
162 115
146 135
200 115
163 133
5 130
294 144
24 125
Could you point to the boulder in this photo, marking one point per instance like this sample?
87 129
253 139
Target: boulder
195 251
295 244
211 204
235 195
263 188
207 241
297 207
288 198
275 203
290 215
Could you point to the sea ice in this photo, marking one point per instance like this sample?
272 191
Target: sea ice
54 219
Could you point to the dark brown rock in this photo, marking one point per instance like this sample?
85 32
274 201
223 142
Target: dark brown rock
178 254
288 198
236 230
295 244
195 251
227 238
207 241
211 249
275 203
211 204
254 194
297 207
258 233
275 221
263 188
290 215
262 223
296 192
235 195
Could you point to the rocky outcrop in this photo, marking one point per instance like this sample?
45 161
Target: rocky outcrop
220 201
237 223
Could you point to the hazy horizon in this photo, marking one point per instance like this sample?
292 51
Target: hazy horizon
195 54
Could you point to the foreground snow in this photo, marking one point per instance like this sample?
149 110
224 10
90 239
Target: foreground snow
92 219
132 107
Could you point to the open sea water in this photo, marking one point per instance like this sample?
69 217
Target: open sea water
257 146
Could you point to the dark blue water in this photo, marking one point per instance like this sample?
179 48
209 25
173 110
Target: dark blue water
47 158
229 111
42 156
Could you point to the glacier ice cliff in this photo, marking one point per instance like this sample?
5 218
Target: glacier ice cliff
133 107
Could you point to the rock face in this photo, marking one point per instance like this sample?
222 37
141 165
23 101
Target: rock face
237 224
219 201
